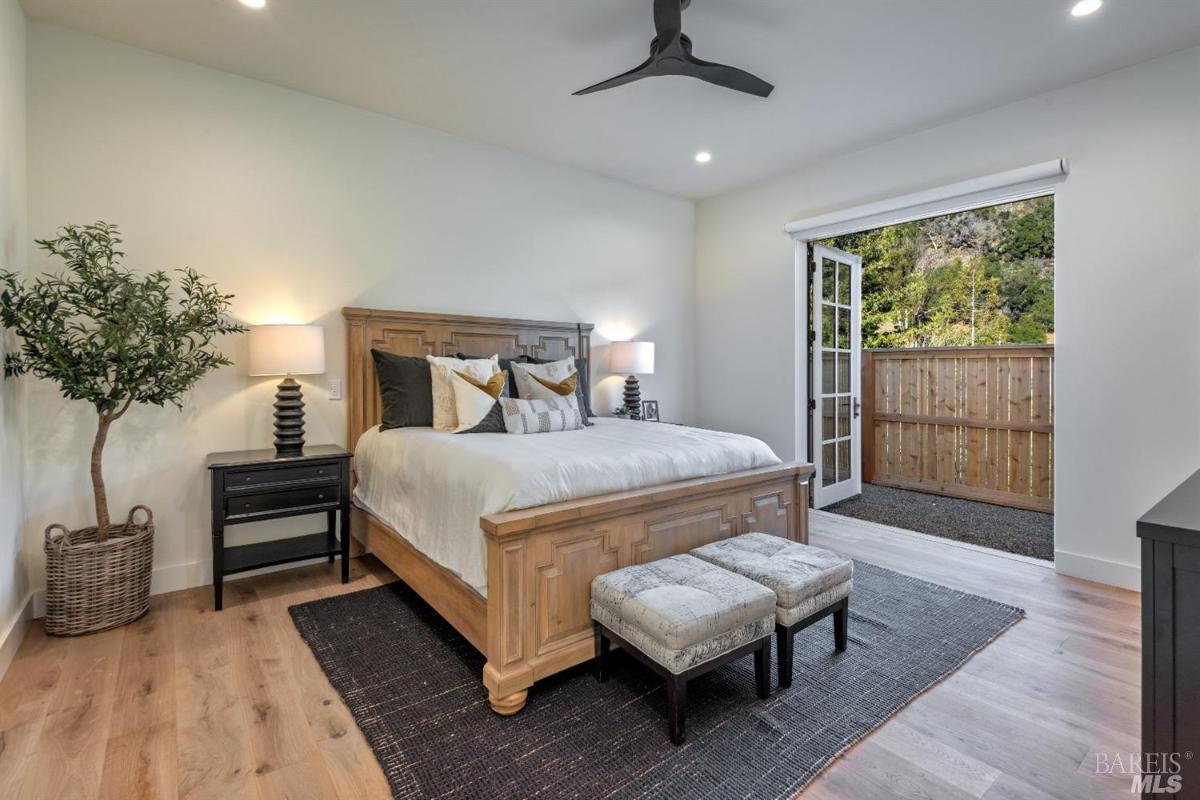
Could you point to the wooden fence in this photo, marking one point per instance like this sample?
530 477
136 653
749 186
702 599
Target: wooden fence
971 422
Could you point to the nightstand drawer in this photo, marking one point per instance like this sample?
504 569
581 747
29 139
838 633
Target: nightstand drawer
266 503
250 479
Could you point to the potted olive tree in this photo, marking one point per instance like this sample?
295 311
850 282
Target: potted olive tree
110 337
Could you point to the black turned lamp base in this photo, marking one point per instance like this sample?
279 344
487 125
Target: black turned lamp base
633 397
289 419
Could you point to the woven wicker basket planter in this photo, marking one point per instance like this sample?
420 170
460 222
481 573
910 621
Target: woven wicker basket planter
92 585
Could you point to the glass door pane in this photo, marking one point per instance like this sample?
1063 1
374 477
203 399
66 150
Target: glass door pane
836 318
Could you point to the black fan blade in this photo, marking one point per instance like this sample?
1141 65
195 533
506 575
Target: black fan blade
722 75
668 21
643 70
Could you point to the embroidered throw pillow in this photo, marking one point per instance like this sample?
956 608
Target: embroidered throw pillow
583 389
510 388
474 401
553 371
542 416
550 372
445 417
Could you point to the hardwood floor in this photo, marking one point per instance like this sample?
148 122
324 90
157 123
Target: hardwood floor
187 703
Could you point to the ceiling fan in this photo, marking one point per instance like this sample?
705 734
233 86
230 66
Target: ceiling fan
671 54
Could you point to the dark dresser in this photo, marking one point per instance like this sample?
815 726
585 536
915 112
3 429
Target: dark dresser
1170 534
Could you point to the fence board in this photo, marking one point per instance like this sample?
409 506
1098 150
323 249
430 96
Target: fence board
974 422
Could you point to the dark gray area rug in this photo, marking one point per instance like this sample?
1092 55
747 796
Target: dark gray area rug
413 685
1013 530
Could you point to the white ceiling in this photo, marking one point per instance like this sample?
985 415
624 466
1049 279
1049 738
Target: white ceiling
502 71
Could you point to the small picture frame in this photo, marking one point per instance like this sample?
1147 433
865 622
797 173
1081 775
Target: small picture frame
650 410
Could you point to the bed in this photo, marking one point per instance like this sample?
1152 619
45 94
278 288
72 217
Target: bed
555 510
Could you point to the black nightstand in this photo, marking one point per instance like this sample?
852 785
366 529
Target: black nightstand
255 485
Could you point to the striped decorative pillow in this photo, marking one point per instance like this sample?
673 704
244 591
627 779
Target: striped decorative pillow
542 416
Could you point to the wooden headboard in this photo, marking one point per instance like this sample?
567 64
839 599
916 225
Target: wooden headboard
409 333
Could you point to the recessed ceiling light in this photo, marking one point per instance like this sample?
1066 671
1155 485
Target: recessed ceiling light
1085 7
254 3
703 157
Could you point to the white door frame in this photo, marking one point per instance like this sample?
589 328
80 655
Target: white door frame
1024 183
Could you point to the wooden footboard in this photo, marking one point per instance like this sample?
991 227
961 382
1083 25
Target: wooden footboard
536 618
541 561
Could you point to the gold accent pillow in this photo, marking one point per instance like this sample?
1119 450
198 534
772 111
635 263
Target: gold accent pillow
563 388
494 385
475 402
441 371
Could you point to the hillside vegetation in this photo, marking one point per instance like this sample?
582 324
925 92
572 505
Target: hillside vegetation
975 278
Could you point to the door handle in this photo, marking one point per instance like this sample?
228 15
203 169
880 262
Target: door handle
855 406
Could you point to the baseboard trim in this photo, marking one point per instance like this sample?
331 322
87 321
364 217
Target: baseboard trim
14 634
188 575
1090 568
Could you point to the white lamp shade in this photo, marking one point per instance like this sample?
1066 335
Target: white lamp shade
287 350
631 358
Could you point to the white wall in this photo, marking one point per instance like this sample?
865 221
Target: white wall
14 587
301 206
1127 286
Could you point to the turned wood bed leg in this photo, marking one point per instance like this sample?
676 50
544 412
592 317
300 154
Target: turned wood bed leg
509 704
506 691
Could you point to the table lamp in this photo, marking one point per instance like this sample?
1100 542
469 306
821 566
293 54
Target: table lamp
632 359
287 350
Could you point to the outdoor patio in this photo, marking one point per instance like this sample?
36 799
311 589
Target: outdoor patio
1013 530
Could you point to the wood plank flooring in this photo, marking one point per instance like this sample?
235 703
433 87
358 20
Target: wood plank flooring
187 703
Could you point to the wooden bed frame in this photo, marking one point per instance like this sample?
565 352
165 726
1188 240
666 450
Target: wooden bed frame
536 620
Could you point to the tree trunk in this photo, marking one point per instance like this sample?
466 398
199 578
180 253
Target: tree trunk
101 496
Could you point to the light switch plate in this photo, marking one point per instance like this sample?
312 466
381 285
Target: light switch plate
335 389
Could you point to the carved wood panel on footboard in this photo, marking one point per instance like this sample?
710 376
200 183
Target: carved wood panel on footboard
541 563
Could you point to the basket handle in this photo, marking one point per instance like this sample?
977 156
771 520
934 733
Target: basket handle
149 515
62 540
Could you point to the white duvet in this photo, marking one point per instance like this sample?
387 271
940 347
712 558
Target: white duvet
433 487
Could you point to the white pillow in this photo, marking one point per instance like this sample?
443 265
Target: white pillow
541 416
555 372
445 417
471 403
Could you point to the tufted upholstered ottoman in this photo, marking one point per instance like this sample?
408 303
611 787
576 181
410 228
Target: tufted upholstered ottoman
810 584
682 617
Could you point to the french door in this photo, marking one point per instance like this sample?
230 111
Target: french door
837 375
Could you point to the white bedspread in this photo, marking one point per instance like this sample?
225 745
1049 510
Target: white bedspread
433 487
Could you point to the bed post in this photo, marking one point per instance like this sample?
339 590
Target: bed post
507 674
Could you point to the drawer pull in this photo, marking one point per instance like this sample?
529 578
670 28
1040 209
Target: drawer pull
246 506
321 472
248 479
320 497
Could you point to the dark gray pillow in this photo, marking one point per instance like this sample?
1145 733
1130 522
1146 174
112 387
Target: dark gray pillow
493 422
406 389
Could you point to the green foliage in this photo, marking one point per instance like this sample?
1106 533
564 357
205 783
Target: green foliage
1028 235
107 335
978 277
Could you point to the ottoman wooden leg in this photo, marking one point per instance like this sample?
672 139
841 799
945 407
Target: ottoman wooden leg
783 636
840 621
602 647
762 669
676 707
